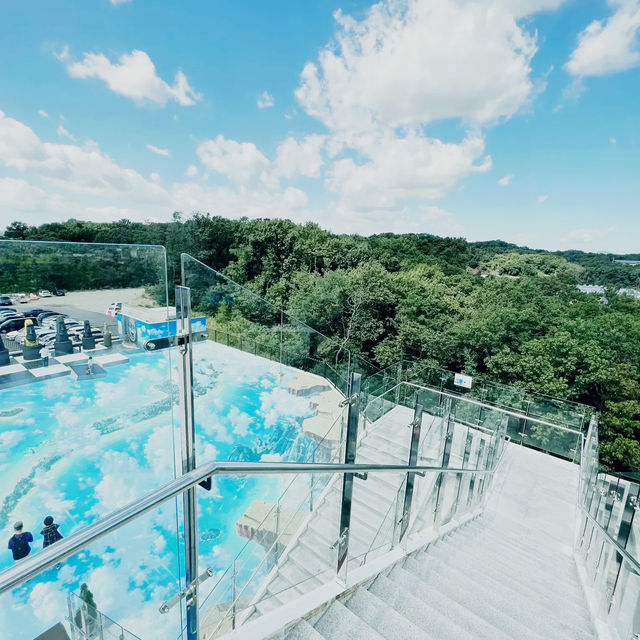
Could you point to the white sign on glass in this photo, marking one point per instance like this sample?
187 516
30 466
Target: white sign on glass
460 380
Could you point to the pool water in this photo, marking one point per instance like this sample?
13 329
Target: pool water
79 449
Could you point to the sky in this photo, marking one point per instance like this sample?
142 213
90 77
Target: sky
516 120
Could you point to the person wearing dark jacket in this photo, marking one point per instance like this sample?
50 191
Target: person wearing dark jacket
50 533
19 542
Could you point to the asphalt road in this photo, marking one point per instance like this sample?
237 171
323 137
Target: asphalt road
88 305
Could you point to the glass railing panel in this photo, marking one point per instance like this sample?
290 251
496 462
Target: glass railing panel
553 440
245 320
111 589
87 413
376 510
625 610
249 522
291 550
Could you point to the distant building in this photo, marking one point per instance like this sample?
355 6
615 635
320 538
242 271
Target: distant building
590 288
632 263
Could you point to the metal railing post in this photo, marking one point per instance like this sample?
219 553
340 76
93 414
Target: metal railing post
234 588
416 426
351 442
187 429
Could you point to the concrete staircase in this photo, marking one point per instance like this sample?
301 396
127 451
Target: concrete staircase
311 559
509 574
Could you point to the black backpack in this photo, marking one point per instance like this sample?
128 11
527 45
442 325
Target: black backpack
20 547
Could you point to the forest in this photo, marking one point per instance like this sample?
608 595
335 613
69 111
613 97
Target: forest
492 309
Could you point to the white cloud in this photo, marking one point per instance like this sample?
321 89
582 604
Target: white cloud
612 141
63 54
63 133
236 203
401 168
239 161
265 100
295 158
413 61
589 235
117 2
240 421
505 180
543 198
19 196
192 171
405 64
157 150
76 169
47 601
43 113
608 46
133 76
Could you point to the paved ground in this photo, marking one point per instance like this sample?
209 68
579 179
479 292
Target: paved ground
90 305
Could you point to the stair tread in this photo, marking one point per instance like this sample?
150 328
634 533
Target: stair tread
339 623
561 604
472 594
464 607
438 624
381 617
303 631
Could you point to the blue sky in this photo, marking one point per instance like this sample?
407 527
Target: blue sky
510 119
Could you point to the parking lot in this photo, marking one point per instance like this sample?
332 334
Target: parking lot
88 305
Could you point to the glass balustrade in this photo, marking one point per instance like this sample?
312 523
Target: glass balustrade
88 405
608 538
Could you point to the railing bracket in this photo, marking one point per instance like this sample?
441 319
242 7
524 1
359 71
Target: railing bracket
187 592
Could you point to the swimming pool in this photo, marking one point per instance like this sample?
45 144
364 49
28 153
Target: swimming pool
79 449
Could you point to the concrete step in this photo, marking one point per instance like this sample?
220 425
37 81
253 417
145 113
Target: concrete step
339 623
381 617
303 631
456 583
436 623
460 605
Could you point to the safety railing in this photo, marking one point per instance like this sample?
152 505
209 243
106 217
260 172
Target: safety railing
608 539
559 411
49 557
381 513
87 623
527 430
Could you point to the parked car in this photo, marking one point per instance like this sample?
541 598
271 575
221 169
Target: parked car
79 331
59 292
5 301
33 313
10 312
11 324
114 309
48 314
50 321
44 293
33 297
22 298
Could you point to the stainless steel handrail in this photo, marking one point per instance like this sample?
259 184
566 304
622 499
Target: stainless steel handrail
609 538
33 565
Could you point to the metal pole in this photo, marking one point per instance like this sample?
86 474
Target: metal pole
349 458
416 426
233 597
187 430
